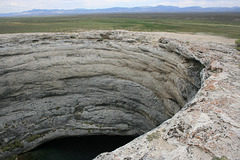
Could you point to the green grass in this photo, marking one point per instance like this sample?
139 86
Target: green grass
154 135
33 137
11 146
14 157
238 44
222 158
224 24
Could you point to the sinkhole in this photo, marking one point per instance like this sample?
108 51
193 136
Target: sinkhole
52 89
75 148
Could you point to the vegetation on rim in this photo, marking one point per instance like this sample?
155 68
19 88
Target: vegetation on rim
238 44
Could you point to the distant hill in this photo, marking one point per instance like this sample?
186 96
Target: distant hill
156 9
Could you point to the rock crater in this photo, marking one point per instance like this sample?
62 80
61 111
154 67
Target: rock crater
120 83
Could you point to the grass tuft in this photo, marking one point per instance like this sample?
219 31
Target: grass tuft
154 135
11 146
33 137
237 42
222 158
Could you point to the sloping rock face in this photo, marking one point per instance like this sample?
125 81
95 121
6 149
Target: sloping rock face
92 83
119 83
206 128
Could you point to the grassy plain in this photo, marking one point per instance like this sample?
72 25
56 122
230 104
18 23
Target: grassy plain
223 24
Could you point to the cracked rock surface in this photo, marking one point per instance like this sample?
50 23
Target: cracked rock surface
207 127
120 83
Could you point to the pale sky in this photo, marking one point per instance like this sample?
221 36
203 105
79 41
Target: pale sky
7 6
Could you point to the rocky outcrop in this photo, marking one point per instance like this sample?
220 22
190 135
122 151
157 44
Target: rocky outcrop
206 128
119 83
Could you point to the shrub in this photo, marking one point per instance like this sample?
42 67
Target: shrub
238 44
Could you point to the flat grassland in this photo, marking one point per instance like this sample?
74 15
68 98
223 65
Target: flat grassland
223 24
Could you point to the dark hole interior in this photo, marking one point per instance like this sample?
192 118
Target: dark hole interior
76 148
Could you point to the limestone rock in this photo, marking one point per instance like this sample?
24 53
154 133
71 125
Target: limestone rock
119 83
207 127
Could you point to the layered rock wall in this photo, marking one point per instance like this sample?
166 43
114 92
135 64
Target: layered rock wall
101 82
207 127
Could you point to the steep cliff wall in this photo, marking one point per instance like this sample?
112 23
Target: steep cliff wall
112 83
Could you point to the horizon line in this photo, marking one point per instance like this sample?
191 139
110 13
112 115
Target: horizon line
113 7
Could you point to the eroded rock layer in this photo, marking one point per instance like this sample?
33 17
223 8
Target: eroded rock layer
90 83
207 128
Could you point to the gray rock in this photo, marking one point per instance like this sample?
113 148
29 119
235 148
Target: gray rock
207 127
102 82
